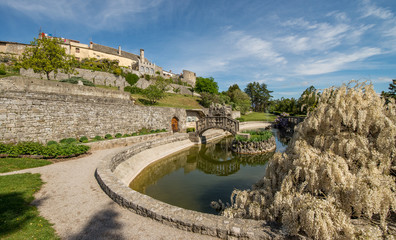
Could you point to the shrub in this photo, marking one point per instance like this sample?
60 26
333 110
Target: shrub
3 72
5 148
53 149
51 143
117 71
131 78
240 119
83 139
147 77
126 135
135 134
118 135
68 140
255 136
163 130
108 136
98 138
191 129
133 89
144 131
337 174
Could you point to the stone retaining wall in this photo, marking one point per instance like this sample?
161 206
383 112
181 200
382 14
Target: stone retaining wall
123 142
42 110
246 147
97 77
207 224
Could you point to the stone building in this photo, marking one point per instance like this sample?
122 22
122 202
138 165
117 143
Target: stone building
13 48
189 77
136 63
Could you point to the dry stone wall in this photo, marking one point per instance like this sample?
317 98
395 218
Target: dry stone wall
97 77
42 110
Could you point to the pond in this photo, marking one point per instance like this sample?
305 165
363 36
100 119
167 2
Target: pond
191 179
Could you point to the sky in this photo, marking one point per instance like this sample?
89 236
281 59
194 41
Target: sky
287 44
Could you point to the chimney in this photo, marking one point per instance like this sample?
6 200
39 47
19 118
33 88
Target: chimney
142 55
119 50
90 45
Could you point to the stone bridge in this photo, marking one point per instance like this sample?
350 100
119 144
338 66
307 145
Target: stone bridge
220 122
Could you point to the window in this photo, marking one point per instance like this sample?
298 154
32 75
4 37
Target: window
77 50
142 69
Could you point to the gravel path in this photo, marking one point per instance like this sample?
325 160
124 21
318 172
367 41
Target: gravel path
72 200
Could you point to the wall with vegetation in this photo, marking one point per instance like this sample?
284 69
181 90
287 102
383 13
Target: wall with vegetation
42 110
97 77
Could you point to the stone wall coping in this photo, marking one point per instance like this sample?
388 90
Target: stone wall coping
125 141
207 224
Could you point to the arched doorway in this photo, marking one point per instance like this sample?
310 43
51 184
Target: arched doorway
175 124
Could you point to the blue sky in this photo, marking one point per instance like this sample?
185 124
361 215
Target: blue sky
287 44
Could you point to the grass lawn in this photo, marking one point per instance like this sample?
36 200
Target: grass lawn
9 75
18 219
258 116
13 164
171 100
107 87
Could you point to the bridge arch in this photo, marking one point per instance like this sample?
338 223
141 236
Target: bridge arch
219 122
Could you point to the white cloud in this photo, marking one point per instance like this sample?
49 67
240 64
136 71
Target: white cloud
231 51
95 14
250 46
370 9
382 80
336 62
322 37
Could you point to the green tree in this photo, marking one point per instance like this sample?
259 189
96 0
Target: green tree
208 98
308 100
163 83
131 78
259 95
206 85
392 91
46 55
153 93
241 100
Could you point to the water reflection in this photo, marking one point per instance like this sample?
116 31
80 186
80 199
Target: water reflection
193 178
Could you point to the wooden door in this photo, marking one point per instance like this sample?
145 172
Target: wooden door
175 123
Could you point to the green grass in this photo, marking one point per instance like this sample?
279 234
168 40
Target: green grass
258 116
107 87
13 164
9 75
171 100
18 219
255 136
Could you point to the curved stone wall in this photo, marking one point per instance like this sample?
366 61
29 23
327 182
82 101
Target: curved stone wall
246 147
207 224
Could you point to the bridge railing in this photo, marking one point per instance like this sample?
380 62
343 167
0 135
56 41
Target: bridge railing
222 122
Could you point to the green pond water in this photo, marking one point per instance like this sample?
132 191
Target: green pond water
191 179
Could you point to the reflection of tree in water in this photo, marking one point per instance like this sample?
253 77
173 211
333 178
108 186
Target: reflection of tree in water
215 158
254 160
283 136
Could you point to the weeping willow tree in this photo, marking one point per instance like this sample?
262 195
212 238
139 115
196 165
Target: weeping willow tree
337 178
